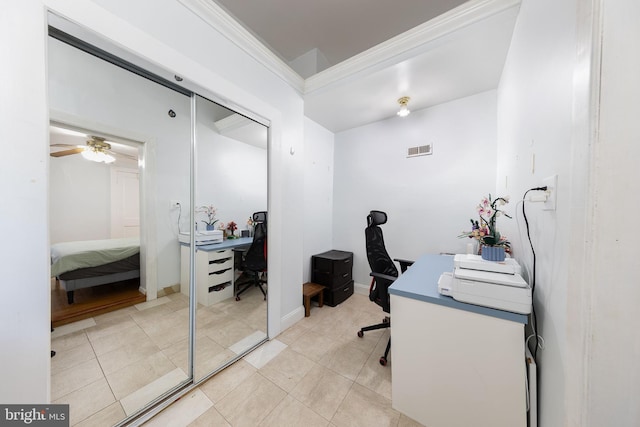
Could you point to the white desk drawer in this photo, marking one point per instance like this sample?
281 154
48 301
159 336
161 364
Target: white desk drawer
221 276
219 293
220 264
214 255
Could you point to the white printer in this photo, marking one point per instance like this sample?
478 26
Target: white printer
204 237
487 283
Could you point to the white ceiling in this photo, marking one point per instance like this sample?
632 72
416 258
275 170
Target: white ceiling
381 50
458 64
458 53
339 29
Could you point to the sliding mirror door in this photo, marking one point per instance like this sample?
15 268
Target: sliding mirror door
231 185
113 358
181 161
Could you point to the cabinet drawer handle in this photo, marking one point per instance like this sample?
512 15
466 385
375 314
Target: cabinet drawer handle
220 272
345 274
219 261
219 287
346 289
347 261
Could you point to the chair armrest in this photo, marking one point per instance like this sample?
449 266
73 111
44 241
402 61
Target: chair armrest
382 276
404 264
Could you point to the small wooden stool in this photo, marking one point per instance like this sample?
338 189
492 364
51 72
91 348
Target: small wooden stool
310 290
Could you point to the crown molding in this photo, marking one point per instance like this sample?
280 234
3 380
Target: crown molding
221 21
456 19
232 122
434 29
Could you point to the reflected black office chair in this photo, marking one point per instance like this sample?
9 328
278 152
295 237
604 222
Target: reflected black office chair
383 272
254 260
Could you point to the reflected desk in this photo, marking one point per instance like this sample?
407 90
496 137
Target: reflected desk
454 364
215 272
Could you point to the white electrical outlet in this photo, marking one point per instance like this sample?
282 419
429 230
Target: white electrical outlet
552 190
175 204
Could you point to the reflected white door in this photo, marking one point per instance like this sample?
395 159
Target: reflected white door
125 203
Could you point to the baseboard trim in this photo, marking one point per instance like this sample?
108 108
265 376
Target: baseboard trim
361 289
291 319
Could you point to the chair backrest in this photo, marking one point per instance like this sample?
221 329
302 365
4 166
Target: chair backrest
379 259
256 257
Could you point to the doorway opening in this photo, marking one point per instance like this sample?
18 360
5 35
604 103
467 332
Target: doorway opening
95 216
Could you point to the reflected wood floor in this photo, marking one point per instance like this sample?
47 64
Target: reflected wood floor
93 301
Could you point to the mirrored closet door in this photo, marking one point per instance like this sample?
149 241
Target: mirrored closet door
180 161
231 186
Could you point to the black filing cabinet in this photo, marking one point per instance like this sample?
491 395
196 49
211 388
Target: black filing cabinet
333 269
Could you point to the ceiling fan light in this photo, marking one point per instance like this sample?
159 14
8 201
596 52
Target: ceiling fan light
89 154
98 156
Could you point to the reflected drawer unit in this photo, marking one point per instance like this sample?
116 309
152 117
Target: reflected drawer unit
334 270
214 275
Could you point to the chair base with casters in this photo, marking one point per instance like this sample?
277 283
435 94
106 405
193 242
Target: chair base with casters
386 323
257 279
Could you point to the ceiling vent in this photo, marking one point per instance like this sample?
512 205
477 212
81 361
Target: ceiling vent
423 150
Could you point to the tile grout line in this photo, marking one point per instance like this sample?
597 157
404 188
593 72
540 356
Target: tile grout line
104 375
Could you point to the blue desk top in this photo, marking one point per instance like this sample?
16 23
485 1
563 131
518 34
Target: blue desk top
420 282
225 244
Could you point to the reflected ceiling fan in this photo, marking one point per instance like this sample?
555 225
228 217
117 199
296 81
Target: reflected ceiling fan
97 150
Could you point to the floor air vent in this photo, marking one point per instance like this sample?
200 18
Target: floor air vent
423 150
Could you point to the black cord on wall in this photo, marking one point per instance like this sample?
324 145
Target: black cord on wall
534 325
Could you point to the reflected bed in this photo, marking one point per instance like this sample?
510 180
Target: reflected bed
83 264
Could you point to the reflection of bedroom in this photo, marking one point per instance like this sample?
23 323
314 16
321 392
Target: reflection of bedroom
97 204
231 165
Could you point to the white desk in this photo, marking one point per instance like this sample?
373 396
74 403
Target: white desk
215 275
454 364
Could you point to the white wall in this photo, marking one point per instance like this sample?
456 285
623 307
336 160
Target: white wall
318 192
173 38
231 175
25 306
535 101
79 199
612 375
569 94
430 199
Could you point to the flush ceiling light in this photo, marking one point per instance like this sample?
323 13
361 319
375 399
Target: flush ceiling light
96 151
404 111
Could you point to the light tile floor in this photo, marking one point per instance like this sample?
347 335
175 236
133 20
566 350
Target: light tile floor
109 366
316 373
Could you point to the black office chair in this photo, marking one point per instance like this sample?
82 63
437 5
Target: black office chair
254 260
383 271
